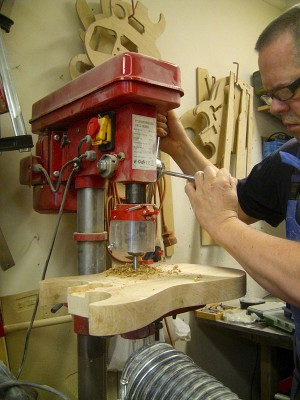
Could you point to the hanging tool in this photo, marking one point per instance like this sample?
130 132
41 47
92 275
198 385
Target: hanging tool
22 141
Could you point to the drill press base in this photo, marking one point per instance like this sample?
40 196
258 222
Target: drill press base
116 304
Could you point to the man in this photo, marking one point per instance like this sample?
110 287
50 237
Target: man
226 208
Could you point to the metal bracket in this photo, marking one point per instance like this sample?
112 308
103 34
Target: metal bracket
11 143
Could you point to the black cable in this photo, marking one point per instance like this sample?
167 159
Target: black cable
74 170
39 168
86 139
9 384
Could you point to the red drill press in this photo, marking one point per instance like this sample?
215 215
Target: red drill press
102 125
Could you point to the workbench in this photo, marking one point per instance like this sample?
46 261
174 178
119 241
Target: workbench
270 340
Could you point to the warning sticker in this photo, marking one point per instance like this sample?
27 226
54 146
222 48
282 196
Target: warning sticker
143 142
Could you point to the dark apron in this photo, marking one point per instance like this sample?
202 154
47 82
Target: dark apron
293 233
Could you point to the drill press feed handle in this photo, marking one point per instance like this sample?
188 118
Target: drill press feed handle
161 170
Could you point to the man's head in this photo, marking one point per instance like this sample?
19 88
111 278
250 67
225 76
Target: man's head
288 22
279 63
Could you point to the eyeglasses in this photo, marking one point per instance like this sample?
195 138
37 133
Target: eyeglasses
283 94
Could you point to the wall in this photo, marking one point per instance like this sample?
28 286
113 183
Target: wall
211 34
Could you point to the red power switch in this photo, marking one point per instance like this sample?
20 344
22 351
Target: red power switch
93 127
100 130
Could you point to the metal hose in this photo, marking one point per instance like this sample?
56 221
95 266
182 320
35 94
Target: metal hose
159 372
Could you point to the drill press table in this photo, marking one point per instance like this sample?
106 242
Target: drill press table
120 303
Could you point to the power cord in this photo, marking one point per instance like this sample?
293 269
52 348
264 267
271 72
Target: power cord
89 155
74 170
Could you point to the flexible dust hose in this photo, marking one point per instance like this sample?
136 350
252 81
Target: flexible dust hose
159 372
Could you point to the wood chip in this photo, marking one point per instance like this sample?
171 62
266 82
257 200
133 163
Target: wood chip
142 272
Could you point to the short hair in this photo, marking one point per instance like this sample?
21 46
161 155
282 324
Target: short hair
288 22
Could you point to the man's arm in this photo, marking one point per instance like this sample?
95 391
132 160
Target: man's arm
273 262
175 142
245 217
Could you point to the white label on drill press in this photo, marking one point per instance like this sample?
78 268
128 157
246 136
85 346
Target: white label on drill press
143 142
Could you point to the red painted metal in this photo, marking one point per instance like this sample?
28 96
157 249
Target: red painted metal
140 333
126 78
81 325
90 237
3 102
132 212
27 175
128 85
45 201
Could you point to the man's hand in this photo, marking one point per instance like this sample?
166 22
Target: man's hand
162 125
175 142
171 132
214 200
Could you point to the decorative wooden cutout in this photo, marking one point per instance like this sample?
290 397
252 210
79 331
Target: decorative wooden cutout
223 125
116 29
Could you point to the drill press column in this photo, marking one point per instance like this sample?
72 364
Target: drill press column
91 260
90 219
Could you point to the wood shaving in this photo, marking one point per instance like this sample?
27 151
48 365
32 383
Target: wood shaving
198 278
142 272
174 270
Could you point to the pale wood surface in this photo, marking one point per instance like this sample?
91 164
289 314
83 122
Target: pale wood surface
119 304
222 123
116 29
229 131
203 85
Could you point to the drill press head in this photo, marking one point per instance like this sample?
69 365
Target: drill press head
115 104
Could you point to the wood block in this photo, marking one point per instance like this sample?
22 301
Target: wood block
240 169
203 85
116 304
250 131
206 239
229 125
